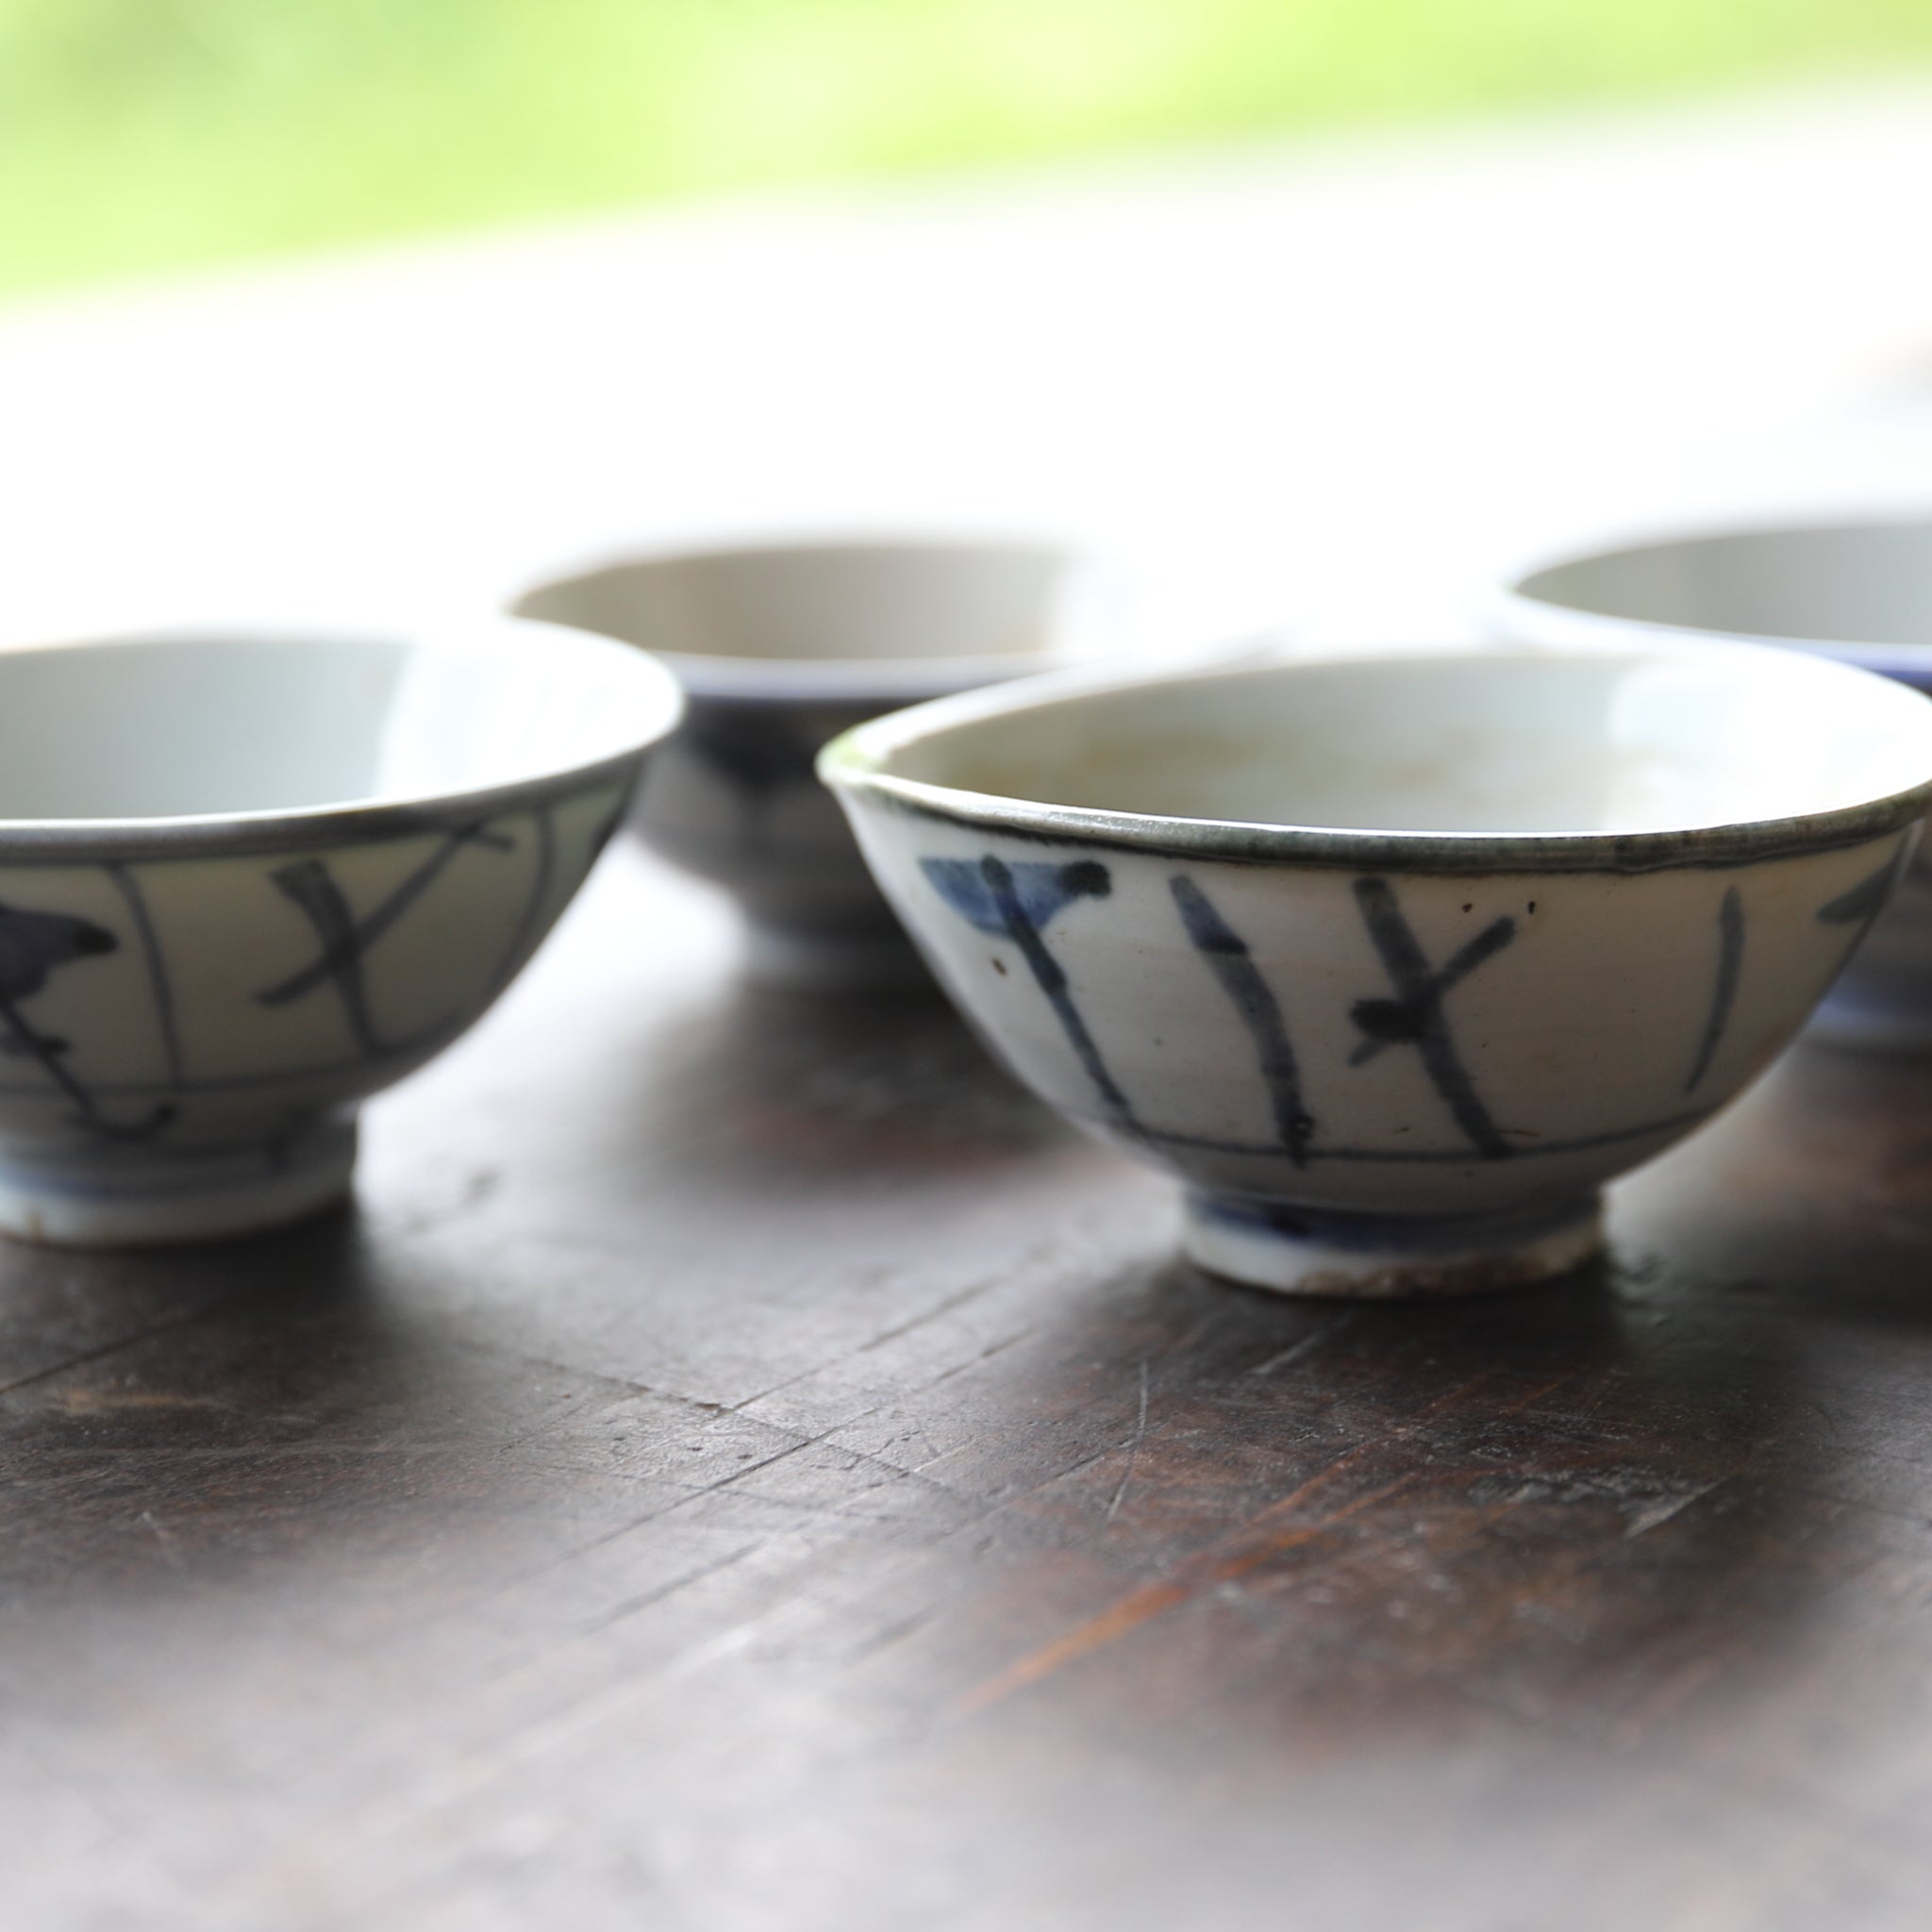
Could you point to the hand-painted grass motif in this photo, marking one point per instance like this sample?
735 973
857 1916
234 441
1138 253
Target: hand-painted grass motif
1017 902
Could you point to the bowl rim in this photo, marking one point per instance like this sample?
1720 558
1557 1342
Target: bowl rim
852 763
1514 610
348 821
884 681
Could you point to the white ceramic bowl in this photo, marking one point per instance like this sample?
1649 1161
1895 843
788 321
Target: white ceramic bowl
782 646
1395 961
247 881
1856 590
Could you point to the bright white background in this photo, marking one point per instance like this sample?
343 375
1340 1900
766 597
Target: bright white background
1339 380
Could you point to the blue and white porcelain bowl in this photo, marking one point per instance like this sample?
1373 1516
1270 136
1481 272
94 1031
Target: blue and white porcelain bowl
779 647
248 880
1859 590
1394 960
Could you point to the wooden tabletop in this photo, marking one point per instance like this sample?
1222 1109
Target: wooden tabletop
743 1465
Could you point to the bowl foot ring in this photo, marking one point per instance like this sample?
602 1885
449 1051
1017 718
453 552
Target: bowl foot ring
1385 1256
144 1196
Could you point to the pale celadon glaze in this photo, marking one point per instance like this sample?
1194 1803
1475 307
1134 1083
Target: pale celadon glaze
1395 963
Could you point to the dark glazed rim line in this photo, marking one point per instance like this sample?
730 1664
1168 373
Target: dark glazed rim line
851 761
93 841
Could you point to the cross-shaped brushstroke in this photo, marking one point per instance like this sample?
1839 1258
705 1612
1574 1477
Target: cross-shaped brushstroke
1228 957
1015 902
1415 1018
346 939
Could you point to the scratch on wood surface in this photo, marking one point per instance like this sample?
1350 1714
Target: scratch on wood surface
1652 1514
171 1553
1154 1600
985 1355
1141 1606
646 1599
1133 1449
894 1633
937 1313
97 1401
133 1336
1294 1351
577 1551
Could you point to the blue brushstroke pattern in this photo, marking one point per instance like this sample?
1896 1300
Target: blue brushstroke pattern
1415 1016
1730 962
1863 902
1014 902
1040 890
1227 956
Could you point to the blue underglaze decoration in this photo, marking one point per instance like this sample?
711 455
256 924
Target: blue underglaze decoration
1858 907
1417 1235
1730 960
160 988
1039 890
1228 957
1438 1156
32 946
541 868
607 827
345 940
1014 902
310 884
1861 904
1415 1017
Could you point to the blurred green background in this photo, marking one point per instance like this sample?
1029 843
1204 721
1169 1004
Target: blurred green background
144 134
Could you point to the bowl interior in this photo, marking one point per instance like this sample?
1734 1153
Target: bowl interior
1846 584
1495 742
821 602
194 725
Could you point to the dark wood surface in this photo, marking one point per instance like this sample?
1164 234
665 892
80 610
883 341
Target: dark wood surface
743 1466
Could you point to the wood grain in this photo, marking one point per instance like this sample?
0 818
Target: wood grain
741 1465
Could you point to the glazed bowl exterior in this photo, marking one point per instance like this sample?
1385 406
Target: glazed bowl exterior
247 881
1859 590
780 647
1394 961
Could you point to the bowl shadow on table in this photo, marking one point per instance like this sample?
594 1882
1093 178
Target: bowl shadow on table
770 1084
1810 1199
279 1402
1536 1577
